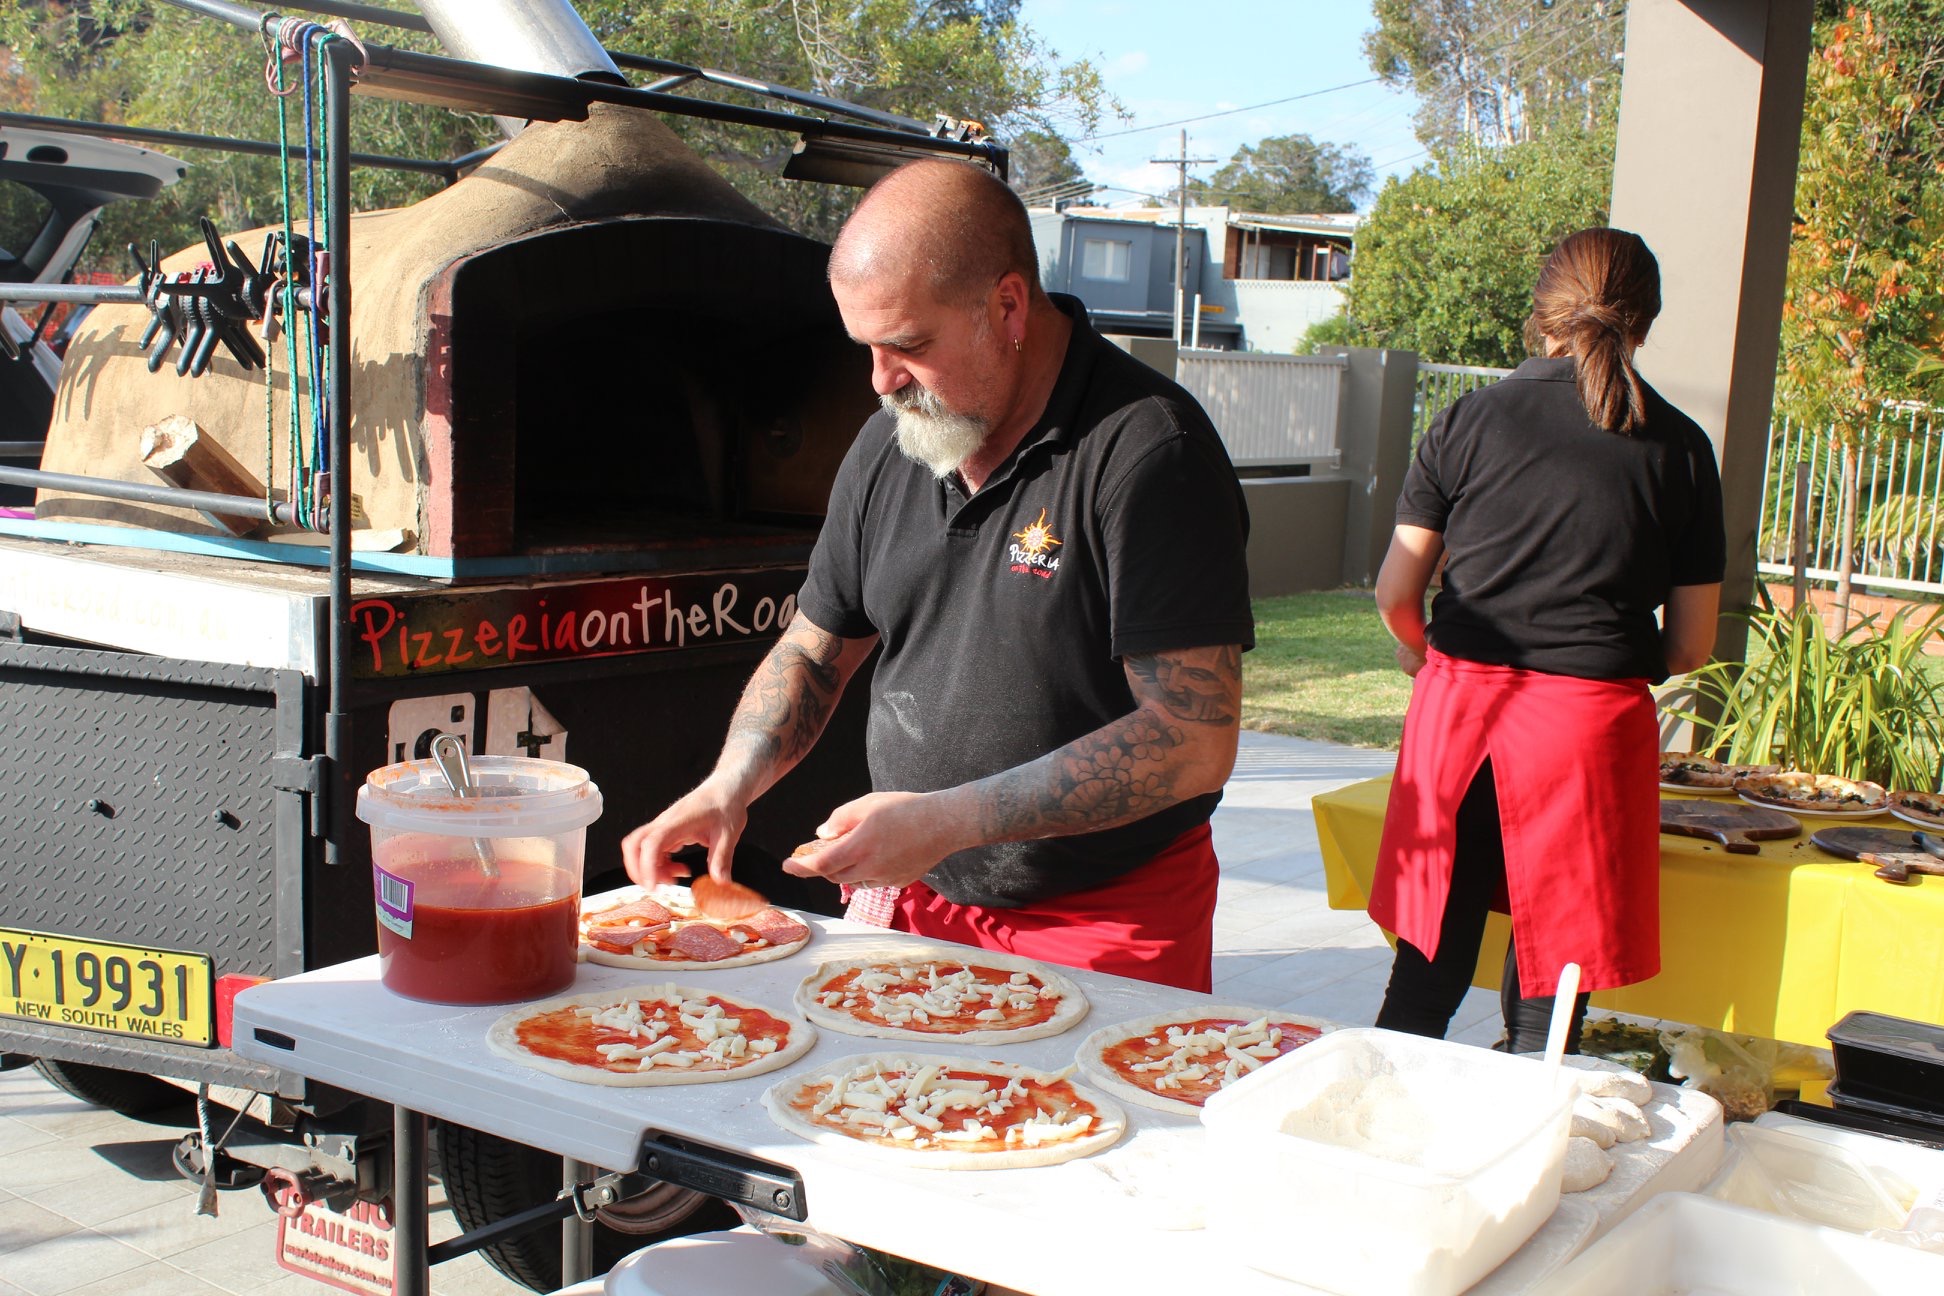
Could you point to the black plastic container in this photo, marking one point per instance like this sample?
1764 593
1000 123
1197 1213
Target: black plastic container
1889 1062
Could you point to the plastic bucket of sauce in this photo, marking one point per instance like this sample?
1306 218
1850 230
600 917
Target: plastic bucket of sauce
447 932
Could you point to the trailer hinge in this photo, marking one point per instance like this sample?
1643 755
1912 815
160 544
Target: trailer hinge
308 775
10 627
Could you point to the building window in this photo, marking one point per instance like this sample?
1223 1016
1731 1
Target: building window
1105 259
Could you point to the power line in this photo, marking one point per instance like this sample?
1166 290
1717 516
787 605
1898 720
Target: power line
1228 112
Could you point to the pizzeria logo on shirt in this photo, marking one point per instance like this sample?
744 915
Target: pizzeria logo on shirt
1031 551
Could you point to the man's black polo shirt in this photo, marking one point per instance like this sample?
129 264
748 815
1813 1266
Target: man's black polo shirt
1116 528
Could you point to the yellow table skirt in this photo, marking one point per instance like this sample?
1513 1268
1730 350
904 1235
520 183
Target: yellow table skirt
1779 944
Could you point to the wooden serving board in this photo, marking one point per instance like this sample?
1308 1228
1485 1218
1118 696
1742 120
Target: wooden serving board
1739 828
1894 852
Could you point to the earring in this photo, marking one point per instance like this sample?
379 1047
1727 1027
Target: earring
1018 345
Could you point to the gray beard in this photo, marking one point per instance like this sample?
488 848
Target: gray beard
931 435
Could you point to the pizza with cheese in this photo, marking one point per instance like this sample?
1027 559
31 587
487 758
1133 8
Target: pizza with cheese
969 996
946 1113
1176 1061
663 930
1705 773
1813 793
1923 808
649 1035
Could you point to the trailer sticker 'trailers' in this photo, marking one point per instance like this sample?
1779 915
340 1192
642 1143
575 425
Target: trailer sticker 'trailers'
462 631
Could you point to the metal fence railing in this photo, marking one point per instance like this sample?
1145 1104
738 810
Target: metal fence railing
1899 506
1272 410
1440 384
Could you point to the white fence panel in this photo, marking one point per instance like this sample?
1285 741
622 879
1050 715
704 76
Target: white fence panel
1271 410
1440 384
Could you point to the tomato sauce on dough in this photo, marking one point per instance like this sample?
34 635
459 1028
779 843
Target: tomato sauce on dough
1056 1098
565 1035
1121 1057
1042 1009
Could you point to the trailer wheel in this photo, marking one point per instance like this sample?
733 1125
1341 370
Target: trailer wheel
128 1092
488 1178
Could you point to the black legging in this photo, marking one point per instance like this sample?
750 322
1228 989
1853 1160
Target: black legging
1424 993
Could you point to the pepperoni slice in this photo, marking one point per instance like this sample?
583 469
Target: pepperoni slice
703 943
777 927
623 937
649 911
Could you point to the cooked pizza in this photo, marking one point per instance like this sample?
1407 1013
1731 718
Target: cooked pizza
1682 769
1922 807
946 1113
663 930
1177 1061
649 1035
973 996
1813 793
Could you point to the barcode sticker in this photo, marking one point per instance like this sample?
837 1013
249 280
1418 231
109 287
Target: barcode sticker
394 897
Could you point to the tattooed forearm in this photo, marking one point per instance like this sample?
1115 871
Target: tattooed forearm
1177 743
786 702
1114 775
1202 685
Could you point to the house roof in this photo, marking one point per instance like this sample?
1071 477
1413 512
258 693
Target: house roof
1339 225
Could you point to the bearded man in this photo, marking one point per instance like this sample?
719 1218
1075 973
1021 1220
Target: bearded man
1046 538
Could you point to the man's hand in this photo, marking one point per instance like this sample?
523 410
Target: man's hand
706 817
1409 660
884 839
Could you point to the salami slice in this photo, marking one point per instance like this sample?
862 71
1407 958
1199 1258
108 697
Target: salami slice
777 927
704 944
665 930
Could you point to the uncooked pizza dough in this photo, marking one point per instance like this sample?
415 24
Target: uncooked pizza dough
969 996
945 1113
649 1035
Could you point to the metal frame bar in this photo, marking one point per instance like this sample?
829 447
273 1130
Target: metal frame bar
138 492
220 143
674 74
455 83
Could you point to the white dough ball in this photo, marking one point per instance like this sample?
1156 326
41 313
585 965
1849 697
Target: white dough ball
1587 1165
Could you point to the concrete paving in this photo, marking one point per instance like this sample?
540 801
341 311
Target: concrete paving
90 1205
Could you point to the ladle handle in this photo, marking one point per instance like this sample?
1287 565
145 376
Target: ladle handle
449 754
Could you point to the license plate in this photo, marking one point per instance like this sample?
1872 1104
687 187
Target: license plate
101 986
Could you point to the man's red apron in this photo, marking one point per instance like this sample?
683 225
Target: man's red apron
1575 763
1154 924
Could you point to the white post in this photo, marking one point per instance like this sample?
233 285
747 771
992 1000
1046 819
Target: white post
1195 328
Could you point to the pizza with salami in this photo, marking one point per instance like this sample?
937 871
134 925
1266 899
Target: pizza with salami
946 1113
970 996
663 930
1176 1061
649 1035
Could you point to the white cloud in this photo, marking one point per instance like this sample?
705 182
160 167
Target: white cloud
1129 64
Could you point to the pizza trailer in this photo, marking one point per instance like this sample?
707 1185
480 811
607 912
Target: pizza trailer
570 523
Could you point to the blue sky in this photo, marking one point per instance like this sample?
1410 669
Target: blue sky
1168 60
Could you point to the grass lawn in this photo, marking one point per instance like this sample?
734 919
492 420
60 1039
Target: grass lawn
1323 667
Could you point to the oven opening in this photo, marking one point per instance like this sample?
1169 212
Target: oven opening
696 389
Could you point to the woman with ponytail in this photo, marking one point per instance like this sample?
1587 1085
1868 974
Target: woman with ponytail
1569 503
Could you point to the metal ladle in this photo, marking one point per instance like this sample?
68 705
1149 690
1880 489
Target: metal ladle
449 754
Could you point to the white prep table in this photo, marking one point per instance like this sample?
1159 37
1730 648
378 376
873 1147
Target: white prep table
1125 1219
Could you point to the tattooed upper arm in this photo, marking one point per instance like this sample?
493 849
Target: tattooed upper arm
1190 685
791 695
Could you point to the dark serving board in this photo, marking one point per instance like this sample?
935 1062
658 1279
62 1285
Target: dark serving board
1737 827
1894 852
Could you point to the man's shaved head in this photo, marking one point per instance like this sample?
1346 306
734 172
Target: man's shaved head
956 222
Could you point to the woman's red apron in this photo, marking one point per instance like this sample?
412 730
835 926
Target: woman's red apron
1575 764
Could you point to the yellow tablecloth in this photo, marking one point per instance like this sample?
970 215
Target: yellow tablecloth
1779 944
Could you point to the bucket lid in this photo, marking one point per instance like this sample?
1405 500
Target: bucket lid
514 796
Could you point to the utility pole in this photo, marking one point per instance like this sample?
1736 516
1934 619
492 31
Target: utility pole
1181 164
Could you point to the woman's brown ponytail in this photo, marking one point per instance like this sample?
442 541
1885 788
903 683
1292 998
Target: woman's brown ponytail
1596 296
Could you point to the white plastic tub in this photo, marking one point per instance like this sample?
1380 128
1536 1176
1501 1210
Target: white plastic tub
1681 1244
1381 1164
